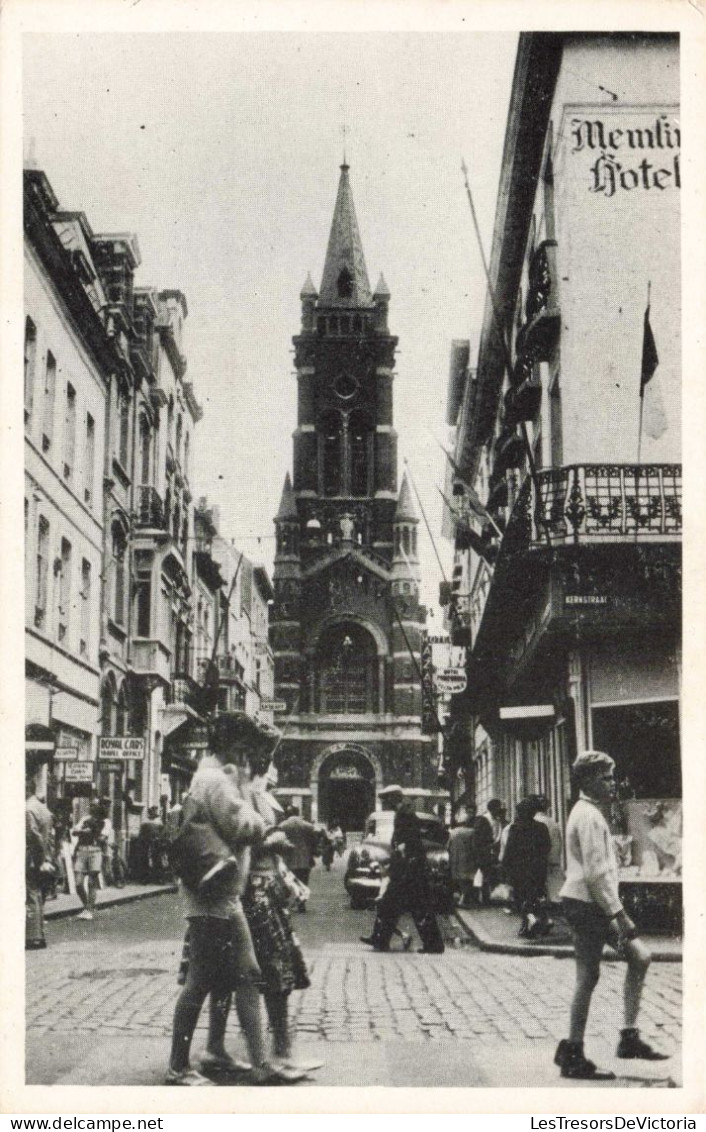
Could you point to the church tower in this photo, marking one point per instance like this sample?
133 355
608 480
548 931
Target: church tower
346 621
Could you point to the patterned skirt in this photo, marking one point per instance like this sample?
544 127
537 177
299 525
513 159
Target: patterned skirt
277 948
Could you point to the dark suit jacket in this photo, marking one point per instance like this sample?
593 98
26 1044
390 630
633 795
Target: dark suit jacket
302 835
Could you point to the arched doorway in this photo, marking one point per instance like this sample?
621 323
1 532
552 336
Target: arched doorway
346 787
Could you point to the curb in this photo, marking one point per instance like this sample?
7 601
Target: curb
128 898
559 951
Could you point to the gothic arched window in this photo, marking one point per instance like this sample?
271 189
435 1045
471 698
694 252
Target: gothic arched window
347 670
344 284
145 450
331 439
360 433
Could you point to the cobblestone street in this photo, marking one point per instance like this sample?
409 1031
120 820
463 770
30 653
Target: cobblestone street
473 1017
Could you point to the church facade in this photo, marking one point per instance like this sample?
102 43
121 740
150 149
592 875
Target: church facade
346 624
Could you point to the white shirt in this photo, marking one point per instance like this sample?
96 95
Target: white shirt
591 864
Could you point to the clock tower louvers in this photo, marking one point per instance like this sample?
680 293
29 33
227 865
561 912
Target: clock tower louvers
346 575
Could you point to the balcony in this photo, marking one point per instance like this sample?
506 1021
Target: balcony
149 509
594 503
151 658
230 671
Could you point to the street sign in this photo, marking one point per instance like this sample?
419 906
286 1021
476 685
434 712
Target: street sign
114 766
273 705
66 754
121 747
78 772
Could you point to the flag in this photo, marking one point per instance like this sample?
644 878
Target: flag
654 419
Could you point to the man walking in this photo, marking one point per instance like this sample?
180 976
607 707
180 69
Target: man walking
555 871
408 890
462 860
38 832
488 832
594 912
303 837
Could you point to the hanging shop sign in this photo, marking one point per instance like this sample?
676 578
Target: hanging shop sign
65 754
528 711
121 747
113 766
78 771
451 681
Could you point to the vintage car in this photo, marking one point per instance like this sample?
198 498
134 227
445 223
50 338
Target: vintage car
367 861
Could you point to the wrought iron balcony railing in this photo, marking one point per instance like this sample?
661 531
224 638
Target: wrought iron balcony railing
149 508
585 503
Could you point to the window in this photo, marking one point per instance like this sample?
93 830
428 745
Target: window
347 671
85 595
42 578
143 603
556 438
69 431
119 547
332 455
49 393
344 284
145 450
30 365
124 429
179 428
360 441
64 590
90 458
186 455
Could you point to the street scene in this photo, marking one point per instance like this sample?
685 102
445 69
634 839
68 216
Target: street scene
353 601
100 1005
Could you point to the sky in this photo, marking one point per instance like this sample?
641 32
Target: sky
222 152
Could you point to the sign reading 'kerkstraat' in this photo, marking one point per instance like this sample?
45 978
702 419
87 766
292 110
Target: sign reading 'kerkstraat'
121 747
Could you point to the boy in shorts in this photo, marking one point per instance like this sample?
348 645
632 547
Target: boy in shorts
595 914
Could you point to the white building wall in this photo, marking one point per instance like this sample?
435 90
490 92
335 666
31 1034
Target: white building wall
65 640
614 237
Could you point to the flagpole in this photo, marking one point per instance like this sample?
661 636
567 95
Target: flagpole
426 522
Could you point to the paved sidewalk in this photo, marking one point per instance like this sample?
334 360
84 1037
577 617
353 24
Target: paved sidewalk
105 898
492 929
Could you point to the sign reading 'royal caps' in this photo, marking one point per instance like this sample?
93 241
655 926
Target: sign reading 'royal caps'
121 747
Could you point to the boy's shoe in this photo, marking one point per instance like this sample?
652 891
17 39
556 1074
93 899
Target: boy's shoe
302 1066
631 1045
85 915
575 1066
187 1077
273 1074
223 1065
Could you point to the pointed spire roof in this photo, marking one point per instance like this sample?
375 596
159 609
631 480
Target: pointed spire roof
345 280
382 291
288 504
405 503
308 290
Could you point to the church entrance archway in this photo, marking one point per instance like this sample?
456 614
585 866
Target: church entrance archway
346 787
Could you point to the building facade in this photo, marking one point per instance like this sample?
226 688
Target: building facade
346 622
567 429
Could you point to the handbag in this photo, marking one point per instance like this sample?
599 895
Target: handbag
199 856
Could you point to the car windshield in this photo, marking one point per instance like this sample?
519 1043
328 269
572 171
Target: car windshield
379 827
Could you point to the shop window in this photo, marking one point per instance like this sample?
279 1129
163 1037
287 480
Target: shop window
85 596
30 367
49 395
90 459
69 431
42 574
644 741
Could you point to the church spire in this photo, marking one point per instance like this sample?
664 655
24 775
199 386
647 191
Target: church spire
288 504
345 280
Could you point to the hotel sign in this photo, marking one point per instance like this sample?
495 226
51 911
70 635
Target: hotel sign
121 747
